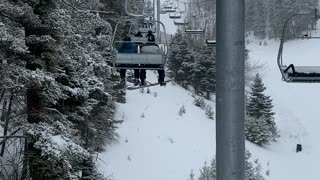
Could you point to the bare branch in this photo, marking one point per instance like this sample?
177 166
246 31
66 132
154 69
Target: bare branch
11 135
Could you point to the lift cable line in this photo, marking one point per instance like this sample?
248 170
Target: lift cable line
292 73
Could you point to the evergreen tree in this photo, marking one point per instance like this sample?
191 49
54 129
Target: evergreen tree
259 108
257 130
203 73
181 60
57 60
253 170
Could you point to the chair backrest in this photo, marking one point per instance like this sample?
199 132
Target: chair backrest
128 47
152 49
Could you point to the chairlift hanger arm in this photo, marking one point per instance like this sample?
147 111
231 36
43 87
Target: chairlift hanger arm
129 13
116 28
154 21
279 57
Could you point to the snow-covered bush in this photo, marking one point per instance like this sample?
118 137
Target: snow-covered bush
182 110
199 101
209 112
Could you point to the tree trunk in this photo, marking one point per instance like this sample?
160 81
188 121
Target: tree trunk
4 108
2 94
33 110
5 129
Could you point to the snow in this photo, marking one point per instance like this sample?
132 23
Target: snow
156 143
296 111
155 140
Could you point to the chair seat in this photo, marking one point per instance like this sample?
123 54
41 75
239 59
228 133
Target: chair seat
180 23
194 31
141 58
211 43
175 17
143 40
307 74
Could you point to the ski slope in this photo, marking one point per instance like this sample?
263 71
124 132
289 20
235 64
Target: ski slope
296 110
156 142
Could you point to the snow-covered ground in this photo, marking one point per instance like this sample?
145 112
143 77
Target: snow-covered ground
296 111
163 145
156 142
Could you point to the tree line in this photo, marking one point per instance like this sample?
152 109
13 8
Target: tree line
58 89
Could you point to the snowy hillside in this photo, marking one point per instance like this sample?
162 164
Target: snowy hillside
156 142
296 111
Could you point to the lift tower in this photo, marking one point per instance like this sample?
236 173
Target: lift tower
230 97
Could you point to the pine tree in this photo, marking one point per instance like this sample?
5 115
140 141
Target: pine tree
257 130
253 170
259 108
203 72
58 61
181 60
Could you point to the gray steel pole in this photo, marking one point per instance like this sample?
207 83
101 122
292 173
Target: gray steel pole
158 18
230 103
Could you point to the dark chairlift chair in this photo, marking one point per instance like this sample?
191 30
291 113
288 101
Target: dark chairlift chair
177 23
197 31
297 74
176 15
168 5
151 61
169 10
211 43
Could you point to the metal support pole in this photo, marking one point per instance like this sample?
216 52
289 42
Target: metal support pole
154 9
230 90
158 19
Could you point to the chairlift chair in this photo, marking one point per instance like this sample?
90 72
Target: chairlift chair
211 43
297 74
144 60
177 23
168 5
175 16
196 31
169 10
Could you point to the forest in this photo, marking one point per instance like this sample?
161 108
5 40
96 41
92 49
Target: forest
59 90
